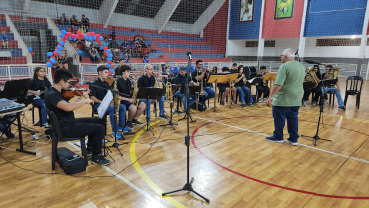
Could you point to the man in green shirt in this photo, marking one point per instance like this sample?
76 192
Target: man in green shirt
286 97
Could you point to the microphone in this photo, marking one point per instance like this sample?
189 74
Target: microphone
83 83
188 52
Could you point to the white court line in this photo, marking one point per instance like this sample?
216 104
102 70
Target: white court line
361 160
145 194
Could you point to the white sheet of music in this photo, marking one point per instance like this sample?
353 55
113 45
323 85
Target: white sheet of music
105 104
251 80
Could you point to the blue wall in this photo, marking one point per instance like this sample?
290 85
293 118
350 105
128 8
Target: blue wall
334 17
244 30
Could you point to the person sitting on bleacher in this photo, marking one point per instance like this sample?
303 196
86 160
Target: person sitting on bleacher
39 85
64 20
125 47
142 42
126 55
116 59
128 61
72 30
74 21
5 42
62 60
85 22
112 33
94 55
134 50
113 46
82 29
145 58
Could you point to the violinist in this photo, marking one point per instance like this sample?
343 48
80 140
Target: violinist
39 85
69 125
97 95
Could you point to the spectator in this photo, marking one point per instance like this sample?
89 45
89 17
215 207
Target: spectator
94 55
82 28
136 40
113 46
5 42
73 21
62 61
72 30
116 59
77 56
126 55
64 20
103 59
87 45
125 47
105 43
112 33
85 22
142 42
145 58
128 61
134 49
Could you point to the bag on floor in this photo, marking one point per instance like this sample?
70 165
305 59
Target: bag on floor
70 162
200 106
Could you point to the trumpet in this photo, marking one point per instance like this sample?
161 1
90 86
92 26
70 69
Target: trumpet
169 93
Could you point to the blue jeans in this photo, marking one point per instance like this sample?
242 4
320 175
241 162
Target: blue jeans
148 106
122 116
192 98
209 93
95 58
334 91
41 103
245 93
280 114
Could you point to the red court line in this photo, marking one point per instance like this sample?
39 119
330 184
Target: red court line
264 182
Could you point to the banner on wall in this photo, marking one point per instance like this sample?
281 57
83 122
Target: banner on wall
247 10
283 9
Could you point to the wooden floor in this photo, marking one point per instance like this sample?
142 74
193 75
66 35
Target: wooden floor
232 164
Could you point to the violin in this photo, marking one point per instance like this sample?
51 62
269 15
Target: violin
71 92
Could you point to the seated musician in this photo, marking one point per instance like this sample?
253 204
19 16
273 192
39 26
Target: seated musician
124 86
167 75
180 79
39 85
69 125
329 75
198 77
317 90
262 87
245 93
224 87
98 93
148 80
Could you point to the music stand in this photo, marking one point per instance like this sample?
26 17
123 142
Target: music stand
308 85
213 78
193 90
270 77
149 93
170 123
231 77
328 82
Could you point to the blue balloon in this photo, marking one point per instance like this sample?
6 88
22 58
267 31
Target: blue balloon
61 35
49 64
52 60
101 47
64 32
86 37
108 51
62 43
108 65
109 59
30 49
74 39
111 70
70 38
101 38
110 55
90 38
49 54
59 52
93 37
79 52
60 47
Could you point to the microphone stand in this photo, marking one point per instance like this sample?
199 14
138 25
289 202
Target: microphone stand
188 185
316 136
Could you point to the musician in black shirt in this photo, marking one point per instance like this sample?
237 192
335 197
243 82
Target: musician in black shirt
262 87
70 126
198 77
39 85
224 87
97 95
245 93
180 79
167 75
148 80
317 90
124 86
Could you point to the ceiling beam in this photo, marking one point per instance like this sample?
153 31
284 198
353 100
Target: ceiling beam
207 15
164 14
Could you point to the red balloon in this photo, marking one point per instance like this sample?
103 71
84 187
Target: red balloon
111 66
109 62
32 53
110 73
97 36
73 36
53 57
100 43
56 48
62 40
65 37
79 32
93 34
59 44
79 37
105 53
105 48
68 34
55 53
88 33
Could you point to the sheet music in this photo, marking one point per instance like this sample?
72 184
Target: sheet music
251 80
105 104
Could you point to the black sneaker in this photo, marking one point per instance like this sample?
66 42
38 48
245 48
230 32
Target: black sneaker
163 117
221 102
148 120
135 122
99 160
130 125
233 103
272 139
342 108
89 151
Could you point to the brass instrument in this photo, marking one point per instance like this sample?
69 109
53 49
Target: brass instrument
202 83
116 97
134 94
310 77
155 84
169 93
335 72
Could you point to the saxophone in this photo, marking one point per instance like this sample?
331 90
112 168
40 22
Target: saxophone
116 97
169 93
155 85
134 94
311 77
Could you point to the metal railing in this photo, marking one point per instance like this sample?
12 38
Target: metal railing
364 71
21 71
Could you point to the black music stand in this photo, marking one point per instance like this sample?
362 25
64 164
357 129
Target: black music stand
308 85
170 123
149 93
193 90
256 81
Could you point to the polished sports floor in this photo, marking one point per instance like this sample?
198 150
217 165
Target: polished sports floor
231 162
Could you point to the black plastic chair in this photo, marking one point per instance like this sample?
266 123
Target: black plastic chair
354 90
57 136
